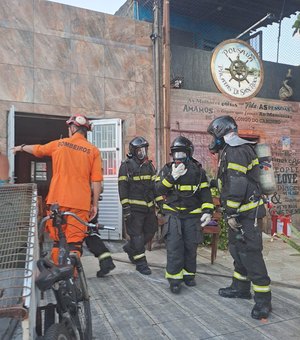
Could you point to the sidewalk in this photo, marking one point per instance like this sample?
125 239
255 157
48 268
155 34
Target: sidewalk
128 305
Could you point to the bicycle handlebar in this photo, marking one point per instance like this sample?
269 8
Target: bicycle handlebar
88 224
92 226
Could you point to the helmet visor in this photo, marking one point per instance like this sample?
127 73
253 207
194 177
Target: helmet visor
179 156
141 153
216 145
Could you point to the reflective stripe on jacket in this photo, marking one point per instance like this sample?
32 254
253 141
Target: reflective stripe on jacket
189 195
136 184
238 181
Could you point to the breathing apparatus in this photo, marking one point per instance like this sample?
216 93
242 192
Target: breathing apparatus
138 148
182 150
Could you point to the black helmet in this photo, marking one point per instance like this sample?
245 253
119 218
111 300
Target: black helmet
220 126
181 143
138 143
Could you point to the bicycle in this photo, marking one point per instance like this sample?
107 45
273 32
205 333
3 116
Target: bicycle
68 282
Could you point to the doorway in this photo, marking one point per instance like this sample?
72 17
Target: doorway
106 135
36 129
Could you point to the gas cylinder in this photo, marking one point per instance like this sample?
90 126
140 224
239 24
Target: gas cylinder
274 218
266 169
280 224
287 221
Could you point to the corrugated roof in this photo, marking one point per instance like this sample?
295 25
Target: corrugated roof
236 14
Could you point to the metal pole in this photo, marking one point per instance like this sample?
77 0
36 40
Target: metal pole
269 15
166 78
157 88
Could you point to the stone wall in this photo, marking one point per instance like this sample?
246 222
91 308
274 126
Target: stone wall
62 60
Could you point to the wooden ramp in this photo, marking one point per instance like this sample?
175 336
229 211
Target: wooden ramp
128 305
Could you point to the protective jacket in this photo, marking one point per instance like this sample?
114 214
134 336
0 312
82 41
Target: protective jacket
238 181
137 184
188 196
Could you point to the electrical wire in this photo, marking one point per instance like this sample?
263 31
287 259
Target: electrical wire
279 29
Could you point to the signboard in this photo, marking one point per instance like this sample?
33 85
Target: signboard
237 69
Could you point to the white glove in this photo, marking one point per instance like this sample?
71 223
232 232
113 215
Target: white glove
233 223
205 219
178 171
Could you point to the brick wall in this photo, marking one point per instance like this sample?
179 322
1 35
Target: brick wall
275 122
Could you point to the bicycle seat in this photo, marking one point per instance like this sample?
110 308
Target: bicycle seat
51 273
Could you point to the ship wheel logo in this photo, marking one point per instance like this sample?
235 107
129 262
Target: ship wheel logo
237 69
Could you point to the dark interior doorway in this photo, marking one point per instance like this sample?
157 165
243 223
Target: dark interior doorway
36 129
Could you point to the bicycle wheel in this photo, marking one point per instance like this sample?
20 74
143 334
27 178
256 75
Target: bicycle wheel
57 331
82 317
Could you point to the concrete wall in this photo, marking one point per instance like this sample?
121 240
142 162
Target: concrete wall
62 60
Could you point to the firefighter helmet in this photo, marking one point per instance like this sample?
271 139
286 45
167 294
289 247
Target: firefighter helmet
220 126
80 121
138 147
182 144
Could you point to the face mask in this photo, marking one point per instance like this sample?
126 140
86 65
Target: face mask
141 153
179 157
216 145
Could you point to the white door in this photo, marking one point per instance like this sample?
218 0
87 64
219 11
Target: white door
11 143
107 136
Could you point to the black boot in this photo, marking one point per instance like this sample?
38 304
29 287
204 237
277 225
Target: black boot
129 252
238 289
143 268
189 280
175 286
261 310
262 307
106 265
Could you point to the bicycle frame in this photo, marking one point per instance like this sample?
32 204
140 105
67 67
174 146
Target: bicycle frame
67 279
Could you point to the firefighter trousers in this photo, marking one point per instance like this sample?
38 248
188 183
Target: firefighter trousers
141 227
182 237
246 251
96 245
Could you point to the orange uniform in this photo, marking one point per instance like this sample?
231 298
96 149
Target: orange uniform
4 169
75 164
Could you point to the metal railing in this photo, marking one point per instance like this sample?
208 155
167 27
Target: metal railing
18 240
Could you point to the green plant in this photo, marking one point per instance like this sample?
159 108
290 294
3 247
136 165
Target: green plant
223 236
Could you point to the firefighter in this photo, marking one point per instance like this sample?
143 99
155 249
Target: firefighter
187 205
76 175
243 209
96 246
137 196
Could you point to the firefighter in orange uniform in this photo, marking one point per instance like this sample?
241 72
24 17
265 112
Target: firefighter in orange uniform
77 176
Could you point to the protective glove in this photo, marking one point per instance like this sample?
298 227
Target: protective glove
233 223
126 212
205 219
178 171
